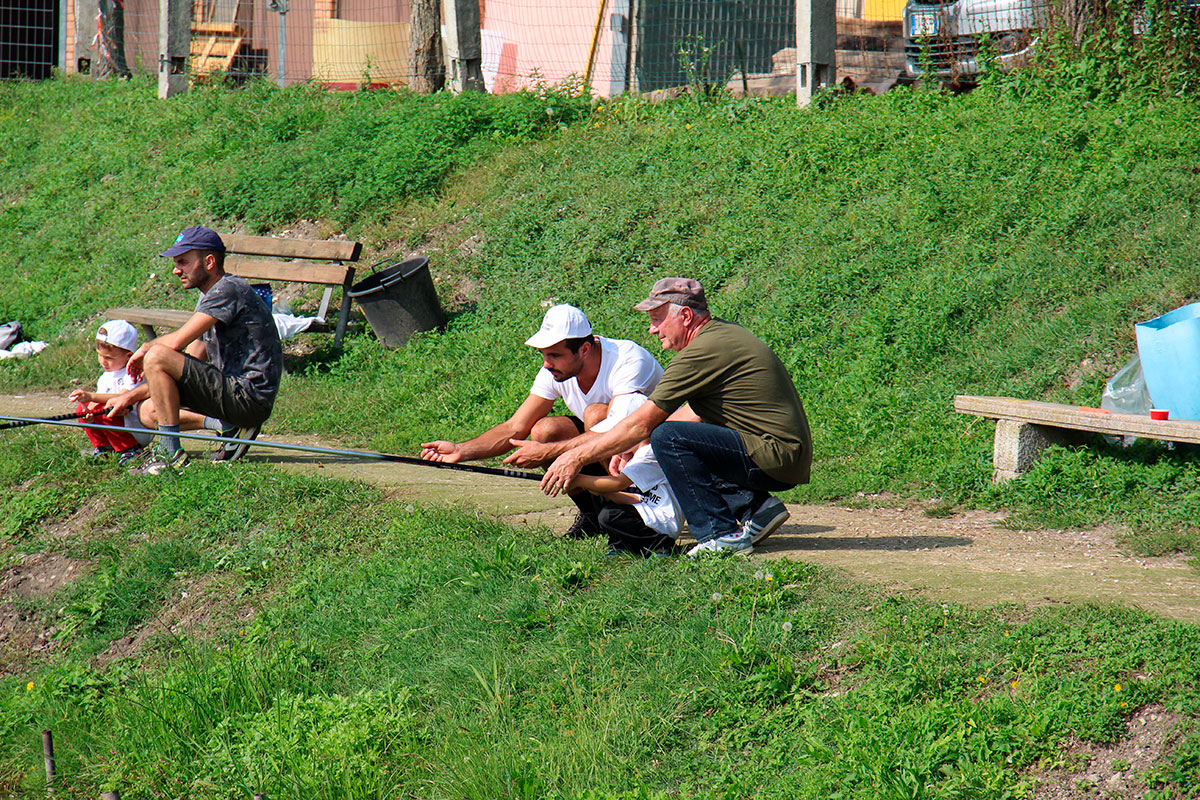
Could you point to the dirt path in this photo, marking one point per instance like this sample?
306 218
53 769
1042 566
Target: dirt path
964 558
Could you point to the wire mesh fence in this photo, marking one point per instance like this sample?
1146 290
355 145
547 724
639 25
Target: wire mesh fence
29 38
612 45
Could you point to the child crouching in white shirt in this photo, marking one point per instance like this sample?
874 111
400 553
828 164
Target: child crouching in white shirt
115 342
641 522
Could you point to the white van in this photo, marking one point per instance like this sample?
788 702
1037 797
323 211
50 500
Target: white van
946 37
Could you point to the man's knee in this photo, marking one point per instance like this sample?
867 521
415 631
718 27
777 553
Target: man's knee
593 414
162 359
666 434
553 429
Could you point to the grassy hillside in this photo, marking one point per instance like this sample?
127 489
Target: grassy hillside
240 630
245 630
895 250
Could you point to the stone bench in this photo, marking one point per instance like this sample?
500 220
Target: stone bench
1024 428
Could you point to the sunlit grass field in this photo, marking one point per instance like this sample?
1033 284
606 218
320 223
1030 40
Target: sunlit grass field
244 630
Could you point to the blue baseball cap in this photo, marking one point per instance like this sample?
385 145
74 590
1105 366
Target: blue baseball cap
197 238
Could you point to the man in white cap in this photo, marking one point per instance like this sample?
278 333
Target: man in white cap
752 438
581 369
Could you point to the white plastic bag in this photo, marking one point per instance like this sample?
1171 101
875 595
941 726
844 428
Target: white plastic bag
1126 392
288 325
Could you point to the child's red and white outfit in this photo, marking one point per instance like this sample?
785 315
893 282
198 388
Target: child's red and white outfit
115 382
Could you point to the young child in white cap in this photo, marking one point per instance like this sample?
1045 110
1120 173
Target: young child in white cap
115 342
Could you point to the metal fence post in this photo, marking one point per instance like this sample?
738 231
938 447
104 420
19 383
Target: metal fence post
48 757
174 46
816 37
281 8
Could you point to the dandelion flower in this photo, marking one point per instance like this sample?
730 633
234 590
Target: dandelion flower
758 576
1006 633
687 127
982 679
787 626
1116 687
716 597
29 686
600 107
1123 704
1016 684
770 577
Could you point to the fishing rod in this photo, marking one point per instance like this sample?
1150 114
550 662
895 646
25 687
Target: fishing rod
417 462
70 415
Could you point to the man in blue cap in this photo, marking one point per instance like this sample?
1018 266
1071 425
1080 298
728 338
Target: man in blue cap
224 363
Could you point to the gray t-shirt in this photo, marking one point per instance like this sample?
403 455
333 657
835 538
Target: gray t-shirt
244 344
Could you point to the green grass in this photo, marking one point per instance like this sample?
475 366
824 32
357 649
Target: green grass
401 650
895 250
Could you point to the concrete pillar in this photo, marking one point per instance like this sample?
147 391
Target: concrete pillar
81 18
816 38
620 23
1019 445
174 46
464 47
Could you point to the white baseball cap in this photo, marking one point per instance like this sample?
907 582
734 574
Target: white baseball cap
118 333
621 407
561 322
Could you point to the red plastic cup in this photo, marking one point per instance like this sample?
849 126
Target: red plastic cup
1159 413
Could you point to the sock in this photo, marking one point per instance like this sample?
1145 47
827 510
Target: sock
214 424
169 442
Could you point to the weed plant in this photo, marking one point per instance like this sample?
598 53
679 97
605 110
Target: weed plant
1108 48
340 645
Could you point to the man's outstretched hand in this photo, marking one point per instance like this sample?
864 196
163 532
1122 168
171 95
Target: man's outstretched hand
529 454
446 452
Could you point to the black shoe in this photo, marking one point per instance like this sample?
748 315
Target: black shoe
584 527
228 451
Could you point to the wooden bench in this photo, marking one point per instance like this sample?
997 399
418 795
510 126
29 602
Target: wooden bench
1024 428
256 258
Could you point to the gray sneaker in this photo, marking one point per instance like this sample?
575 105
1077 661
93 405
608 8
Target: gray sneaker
739 542
160 461
229 451
766 519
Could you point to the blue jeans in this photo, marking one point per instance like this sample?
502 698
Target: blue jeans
714 479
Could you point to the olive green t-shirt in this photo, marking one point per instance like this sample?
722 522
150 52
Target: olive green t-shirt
731 378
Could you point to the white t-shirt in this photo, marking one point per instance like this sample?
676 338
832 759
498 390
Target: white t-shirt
625 367
658 509
116 382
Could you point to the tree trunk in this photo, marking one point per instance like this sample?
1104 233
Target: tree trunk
425 69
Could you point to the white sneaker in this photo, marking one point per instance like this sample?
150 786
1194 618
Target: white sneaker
739 543
766 519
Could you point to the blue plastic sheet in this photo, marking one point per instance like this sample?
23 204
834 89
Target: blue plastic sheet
1169 347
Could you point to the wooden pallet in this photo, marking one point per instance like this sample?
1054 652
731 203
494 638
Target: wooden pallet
216 37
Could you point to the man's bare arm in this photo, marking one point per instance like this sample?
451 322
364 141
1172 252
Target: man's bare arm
177 340
628 432
493 441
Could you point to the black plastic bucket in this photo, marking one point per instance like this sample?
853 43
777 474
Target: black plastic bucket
399 301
